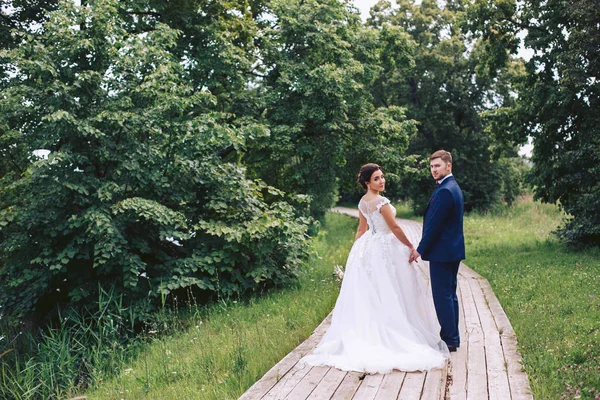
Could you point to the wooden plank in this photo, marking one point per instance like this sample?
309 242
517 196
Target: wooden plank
518 381
458 359
434 387
476 364
279 370
369 387
497 377
467 272
328 385
412 386
348 387
287 383
390 385
305 387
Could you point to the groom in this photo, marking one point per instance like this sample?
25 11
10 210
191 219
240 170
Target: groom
443 244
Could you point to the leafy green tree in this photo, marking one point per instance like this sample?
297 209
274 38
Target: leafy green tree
558 100
454 81
135 192
318 63
219 44
302 69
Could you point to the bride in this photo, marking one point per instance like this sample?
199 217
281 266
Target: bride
383 318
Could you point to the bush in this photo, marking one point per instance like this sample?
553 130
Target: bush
135 192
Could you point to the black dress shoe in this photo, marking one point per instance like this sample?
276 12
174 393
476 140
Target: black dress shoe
452 348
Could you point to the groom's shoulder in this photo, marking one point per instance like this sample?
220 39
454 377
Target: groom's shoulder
452 186
452 182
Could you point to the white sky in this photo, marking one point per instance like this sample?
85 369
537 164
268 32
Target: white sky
364 6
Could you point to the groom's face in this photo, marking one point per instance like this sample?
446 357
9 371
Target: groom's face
439 169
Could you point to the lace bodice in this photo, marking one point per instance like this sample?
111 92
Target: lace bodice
371 211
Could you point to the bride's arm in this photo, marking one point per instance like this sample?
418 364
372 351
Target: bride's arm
390 220
362 225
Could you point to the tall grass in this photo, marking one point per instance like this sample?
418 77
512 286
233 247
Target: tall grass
550 292
58 361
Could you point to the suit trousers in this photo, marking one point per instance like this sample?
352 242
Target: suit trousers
443 286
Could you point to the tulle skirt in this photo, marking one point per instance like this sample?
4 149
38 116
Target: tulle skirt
384 317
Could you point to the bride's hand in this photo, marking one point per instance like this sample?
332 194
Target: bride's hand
414 255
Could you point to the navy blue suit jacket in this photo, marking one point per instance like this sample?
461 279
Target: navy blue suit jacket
443 239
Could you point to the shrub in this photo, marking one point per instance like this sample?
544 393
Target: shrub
136 192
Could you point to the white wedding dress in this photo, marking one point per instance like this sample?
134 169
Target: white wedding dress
384 317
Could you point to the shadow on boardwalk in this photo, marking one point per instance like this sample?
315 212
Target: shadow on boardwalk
486 366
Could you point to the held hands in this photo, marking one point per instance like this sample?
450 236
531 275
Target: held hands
414 255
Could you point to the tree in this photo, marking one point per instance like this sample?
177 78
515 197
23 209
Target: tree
20 16
135 192
454 81
302 70
318 64
558 102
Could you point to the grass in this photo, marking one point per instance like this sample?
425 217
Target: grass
232 344
404 211
551 294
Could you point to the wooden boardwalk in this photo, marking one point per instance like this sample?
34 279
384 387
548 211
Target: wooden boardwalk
486 365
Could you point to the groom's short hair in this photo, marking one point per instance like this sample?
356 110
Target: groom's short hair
443 154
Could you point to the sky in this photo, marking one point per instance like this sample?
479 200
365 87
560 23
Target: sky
364 6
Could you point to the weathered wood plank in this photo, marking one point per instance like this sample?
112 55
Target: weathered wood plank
412 387
458 359
327 387
518 381
498 387
279 370
390 385
306 386
369 387
287 383
348 387
476 365
434 387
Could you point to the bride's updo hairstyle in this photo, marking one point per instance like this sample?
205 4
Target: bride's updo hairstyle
364 175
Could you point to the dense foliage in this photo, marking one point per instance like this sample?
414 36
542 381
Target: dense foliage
558 100
134 192
454 83
317 69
